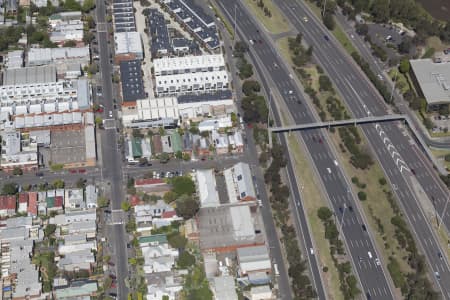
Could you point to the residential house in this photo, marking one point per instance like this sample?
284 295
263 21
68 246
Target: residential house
220 142
157 144
77 260
177 145
91 196
53 201
239 182
203 147
23 203
32 203
236 142
74 199
166 142
187 143
7 205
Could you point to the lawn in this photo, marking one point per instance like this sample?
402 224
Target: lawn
440 154
283 47
274 24
342 37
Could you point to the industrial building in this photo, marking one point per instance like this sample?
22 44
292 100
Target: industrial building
190 74
128 43
239 183
185 106
192 16
433 81
28 75
14 59
46 56
18 150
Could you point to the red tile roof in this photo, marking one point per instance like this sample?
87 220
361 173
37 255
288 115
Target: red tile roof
32 203
134 200
59 200
168 214
23 197
8 202
151 181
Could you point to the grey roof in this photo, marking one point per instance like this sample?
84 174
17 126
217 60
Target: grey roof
38 74
252 253
131 79
83 95
216 96
433 79
160 40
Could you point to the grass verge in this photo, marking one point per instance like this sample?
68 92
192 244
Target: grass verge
283 47
440 155
275 23
340 35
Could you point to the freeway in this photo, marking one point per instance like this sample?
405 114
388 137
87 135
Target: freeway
359 241
111 160
363 100
378 68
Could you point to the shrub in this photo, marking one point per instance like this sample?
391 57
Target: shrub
362 195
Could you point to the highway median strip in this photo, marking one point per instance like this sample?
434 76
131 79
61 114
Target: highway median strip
269 15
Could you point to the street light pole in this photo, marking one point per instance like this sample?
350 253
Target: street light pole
324 6
235 8
443 212
393 87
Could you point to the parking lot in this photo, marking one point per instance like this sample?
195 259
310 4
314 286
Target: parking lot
67 147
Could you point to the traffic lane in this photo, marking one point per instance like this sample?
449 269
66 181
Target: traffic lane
272 63
417 220
359 243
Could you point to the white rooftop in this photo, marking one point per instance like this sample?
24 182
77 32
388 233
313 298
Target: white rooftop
206 182
188 62
433 79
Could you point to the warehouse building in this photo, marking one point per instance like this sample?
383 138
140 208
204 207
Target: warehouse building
128 43
14 59
28 75
432 81
46 56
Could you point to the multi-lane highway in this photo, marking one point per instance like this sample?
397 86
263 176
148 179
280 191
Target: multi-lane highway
359 241
393 148
111 160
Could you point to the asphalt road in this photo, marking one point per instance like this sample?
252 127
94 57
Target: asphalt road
359 242
110 156
362 99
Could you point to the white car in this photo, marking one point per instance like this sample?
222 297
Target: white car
336 163
290 92
377 261
311 250
305 19
260 203
110 114
329 170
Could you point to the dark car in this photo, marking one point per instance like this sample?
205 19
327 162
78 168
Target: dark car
364 228
341 209
368 296
39 174
326 37
350 208
112 276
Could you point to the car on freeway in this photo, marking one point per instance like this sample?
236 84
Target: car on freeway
290 92
368 296
438 276
329 170
311 250
350 208
369 254
305 19
440 255
377 261
341 209
336 163
326 37
364 228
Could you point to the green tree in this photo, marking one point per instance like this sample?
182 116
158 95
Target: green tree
250 86
125 206
71 5
328 21
176 240
186 157
404 66
185 260
58 184
362 195
324 213
187 206
169 197
325 83
98 121
182 185
102 201
88 5
164 157
49 230
17 171
380 10
179 154
70 43
9 188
